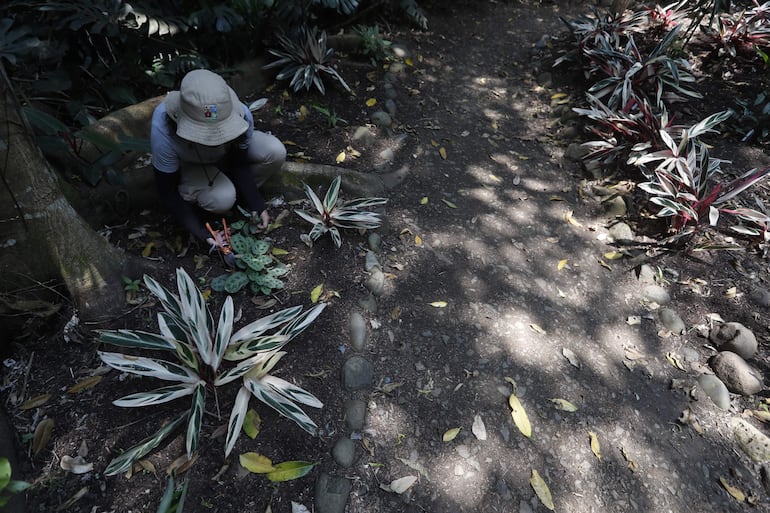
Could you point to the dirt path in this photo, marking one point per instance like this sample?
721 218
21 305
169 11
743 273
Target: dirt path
512 310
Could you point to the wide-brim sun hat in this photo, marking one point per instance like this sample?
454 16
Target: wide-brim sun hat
206 110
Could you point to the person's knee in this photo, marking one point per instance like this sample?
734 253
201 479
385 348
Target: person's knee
219 199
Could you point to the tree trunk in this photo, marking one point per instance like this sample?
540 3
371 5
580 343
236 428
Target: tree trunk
41 235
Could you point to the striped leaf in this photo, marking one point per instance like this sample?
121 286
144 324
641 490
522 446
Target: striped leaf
364 203
281 404
135 339
170 328
257 328
307 217
124 462
196 417
152 367
317 230
265 366
299 324
258 345
187 355
245 367
157 396
195 315
237 415
291 391
224 330
169 301
335 234
330 200
313 198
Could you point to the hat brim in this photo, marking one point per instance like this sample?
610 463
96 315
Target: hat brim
207 133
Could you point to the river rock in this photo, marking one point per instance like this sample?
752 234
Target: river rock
734 337
357 373
760 297
672 321
713 387
656 294
371 261
621 232
355 414
344 452
615 207
357 331
376 282
736 374
331 493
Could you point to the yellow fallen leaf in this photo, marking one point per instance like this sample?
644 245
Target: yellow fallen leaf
595 447
442 152
408 61
38 400
737 494
434 143
562 264
438 304
556 198
417 240
316 293
674 361
451 434
371 102
604 264
303 112
289 143
632 465
424 200
84 384
519 416
252 423
541 490
278 252
256 463
537 329
571 220
449 203
613 255
563 405
148 249
762 415
731 292
395 313
340 157
206 294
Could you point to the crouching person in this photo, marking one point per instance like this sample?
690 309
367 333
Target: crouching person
207 155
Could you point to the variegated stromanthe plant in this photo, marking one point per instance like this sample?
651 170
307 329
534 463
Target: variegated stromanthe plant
208 356
335 214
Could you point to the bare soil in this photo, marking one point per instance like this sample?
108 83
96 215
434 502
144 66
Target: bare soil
503 209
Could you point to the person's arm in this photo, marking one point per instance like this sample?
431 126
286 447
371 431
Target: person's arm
237 168
182 211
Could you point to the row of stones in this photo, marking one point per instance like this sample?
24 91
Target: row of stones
331 492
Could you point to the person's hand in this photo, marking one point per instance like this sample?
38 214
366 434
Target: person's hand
261 220
219 242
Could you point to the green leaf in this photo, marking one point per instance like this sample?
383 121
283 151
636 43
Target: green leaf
330 200
5 473
218 284
135 339
289 470
251 424
235 282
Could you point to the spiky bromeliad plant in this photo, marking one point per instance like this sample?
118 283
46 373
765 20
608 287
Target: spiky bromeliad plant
335 214
304 60
209 356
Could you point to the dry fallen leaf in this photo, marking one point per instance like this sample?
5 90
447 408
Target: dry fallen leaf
478 428
632 465
571 220
595 447
417 240
442 152
519 416
451 434
371 102
449 203
402 484
674 361
84 384
42 435
731 292
562 264
537 329
38 400
438 304
76 465
424 200
571 357
541 489
563 405
737 494
340 157
315 294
